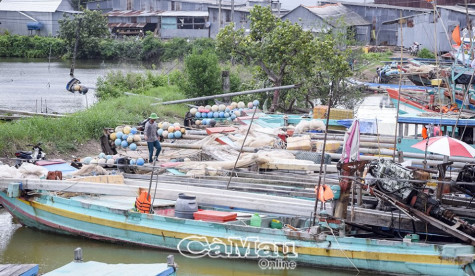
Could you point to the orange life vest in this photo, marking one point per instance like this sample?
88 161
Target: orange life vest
325 193
142 203
424 133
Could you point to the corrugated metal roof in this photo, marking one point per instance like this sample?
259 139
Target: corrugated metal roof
185 13
334 13
30 5
394 21
459 9
129 13
382 6
126 25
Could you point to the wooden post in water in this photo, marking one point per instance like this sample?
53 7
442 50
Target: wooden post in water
73 63
78 255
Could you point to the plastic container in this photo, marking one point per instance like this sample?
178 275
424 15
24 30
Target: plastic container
276 224
211 215
336 189
185 206
256 220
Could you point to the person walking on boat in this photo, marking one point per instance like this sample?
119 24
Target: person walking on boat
150 135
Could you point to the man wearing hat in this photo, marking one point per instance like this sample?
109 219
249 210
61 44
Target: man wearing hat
150 135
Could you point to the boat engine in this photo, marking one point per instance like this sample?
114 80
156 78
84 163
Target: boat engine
467 174
395 181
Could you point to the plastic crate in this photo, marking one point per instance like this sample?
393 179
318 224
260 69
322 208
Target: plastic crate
211 215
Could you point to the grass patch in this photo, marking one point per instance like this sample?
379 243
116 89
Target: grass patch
66 133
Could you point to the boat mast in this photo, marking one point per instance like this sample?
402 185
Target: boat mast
322 157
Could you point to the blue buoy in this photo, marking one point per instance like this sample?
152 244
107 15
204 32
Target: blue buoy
177 134
160 132
204 122
227 109
132 162
210 114
118 135
87 160
255 103
133 130
124 137
221 114
124 144
226 114
133 146
216 114
118 141
108 157
171 135
102 155
233 116
140 162
198 114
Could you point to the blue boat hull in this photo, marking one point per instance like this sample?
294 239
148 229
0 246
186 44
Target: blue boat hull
192 238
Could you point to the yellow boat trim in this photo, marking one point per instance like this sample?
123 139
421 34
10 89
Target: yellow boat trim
315 251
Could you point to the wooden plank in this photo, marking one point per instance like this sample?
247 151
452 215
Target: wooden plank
11 111
115 179
295 165
216 130
18 269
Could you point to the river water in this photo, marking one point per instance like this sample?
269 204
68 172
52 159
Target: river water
23 84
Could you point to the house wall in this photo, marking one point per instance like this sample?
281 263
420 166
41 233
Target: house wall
310 21
385 34
307 20
15 23
183 33
424 30
241 20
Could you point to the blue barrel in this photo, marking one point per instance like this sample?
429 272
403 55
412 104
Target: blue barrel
185 206
34 26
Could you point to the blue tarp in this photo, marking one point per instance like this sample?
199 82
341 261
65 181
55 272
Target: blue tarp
366 126
63 167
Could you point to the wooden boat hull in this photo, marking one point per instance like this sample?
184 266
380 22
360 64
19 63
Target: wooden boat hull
394 95
72 216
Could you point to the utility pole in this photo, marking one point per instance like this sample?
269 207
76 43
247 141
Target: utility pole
219 15
73 63
232 10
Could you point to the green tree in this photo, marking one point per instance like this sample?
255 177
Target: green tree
92 29
277 47
329 71
286 54
202 74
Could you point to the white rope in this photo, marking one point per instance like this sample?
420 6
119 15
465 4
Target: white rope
341 248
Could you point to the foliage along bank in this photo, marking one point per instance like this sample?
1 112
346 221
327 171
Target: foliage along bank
149 49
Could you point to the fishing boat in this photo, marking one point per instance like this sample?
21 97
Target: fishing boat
416 100
464 129
324 245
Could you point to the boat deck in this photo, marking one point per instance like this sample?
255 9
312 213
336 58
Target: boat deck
121 202
97 268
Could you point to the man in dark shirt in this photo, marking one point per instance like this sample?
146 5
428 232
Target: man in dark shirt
150 135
